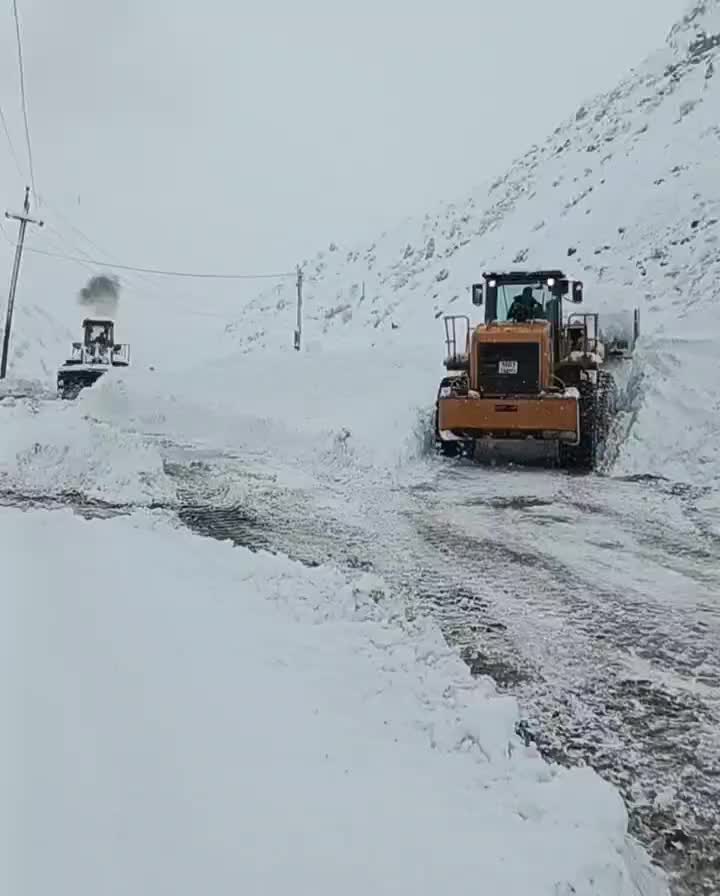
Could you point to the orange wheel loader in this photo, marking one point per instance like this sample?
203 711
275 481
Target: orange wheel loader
526 382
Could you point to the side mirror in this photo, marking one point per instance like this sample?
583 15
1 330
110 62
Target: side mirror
477 294
577 293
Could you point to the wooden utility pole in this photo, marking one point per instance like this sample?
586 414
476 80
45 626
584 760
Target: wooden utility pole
24 220
298 328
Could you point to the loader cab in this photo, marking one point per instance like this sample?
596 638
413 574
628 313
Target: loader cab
543 291
99 333
522 297
98 346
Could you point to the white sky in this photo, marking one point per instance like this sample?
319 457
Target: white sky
245 135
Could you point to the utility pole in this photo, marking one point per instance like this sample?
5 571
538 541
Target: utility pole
298 329
24 220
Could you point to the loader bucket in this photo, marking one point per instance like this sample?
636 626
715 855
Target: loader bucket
619 332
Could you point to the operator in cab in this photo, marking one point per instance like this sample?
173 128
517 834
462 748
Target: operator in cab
525 307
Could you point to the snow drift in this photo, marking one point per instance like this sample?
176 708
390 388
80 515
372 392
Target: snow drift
361 408
50 449
189 717
624 194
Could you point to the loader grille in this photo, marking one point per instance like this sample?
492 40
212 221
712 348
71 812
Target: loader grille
510 368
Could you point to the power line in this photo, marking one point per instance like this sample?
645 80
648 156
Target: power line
86 261
162 273
141 277
76 230
23 97
125 267
134 281
87 265
61 248
4 123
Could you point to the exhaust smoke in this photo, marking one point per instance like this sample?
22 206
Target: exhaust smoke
101 295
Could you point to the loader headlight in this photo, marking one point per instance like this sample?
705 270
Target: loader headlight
492 284
551 282
445 392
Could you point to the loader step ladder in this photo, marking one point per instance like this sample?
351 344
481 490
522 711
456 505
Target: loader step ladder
457 341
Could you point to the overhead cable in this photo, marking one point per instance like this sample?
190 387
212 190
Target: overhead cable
23 96
163 273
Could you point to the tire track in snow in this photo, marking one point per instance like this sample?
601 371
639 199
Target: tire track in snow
612 666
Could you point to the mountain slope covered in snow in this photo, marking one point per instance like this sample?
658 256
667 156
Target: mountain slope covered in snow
624 194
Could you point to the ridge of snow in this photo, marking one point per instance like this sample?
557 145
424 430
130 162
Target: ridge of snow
321 415
51 449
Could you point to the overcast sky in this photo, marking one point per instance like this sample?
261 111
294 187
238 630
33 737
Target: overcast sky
245 135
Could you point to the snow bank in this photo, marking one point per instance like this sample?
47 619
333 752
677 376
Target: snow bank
364 407
673 425
192 718
51 448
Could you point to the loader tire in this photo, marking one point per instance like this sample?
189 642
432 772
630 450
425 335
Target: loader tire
584 455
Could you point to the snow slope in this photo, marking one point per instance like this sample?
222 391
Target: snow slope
624 194
189 718
38 344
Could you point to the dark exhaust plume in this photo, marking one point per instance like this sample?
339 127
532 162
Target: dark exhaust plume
101 293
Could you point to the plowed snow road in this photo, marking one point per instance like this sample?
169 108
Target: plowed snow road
594 600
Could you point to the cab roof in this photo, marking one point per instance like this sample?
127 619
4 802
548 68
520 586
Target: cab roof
524 276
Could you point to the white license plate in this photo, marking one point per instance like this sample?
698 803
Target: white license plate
507 367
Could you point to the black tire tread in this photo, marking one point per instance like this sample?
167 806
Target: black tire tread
583 456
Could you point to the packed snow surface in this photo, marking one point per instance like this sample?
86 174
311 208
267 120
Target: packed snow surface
191 717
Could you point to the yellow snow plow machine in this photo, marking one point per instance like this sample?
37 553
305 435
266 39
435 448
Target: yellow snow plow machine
529 382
